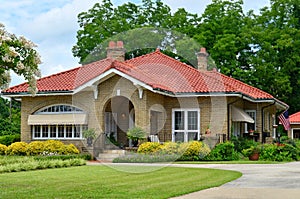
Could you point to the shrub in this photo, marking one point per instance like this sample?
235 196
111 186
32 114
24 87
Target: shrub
193 150
149 147
3 148
273 152
146 158
53 147
241 143
35 148
70 149
170 148
17 148
223 151
185 151
9 139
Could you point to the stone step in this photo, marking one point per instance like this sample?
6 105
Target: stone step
109 155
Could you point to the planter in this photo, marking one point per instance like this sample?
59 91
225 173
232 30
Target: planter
254 157
89 141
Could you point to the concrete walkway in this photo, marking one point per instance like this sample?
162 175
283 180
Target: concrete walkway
259 181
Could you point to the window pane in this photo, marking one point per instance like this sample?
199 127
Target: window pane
179 120
61 131
37 131
179 137
45 131
77 131
69 131
192 136
53 131
192 120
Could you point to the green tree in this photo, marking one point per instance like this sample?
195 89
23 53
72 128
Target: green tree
18 54
153 20
223 31
276 37
10 117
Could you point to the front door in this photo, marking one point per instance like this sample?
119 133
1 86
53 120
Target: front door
111 129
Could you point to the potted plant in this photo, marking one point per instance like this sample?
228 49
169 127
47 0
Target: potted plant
136 134
252 153
89 134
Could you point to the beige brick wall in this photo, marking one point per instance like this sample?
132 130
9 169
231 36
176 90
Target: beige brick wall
213 110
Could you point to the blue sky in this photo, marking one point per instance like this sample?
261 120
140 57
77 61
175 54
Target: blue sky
52 25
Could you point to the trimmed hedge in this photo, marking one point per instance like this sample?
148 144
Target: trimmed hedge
9 139
49 147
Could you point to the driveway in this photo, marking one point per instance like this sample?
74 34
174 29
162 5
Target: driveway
259 181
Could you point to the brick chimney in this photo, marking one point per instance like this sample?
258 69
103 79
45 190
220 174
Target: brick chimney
202 57
116 50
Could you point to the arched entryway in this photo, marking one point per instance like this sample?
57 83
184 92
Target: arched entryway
119 116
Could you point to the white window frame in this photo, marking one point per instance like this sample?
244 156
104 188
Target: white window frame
73 137
185 129
292 132
246 124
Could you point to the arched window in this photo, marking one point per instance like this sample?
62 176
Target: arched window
60 121
59 108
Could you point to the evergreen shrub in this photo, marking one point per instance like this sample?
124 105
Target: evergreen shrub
223 151
3 148
17 148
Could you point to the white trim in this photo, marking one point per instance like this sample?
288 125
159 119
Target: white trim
246 124
96 80
292 132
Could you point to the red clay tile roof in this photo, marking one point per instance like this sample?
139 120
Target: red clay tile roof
295 118
157 70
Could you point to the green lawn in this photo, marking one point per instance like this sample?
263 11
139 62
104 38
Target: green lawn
106 182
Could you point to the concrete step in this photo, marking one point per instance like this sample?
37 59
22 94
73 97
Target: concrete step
109 155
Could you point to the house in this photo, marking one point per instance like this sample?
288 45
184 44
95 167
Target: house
165 97
294 132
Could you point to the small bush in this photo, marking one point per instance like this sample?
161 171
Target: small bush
193 151
223 151
70 149
3 149
17 148
149 147
273 152
241 143
35 148
53 147
170 148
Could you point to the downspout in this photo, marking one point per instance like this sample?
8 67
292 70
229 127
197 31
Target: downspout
228 116
263 119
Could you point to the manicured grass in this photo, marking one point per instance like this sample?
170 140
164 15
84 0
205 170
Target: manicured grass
106 182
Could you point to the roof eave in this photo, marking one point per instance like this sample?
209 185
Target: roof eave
44 93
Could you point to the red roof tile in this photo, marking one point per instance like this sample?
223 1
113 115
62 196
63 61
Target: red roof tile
157 70
295 118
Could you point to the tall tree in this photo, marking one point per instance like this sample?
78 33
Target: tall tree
276 37
222 32
151 20
10 117
18 55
